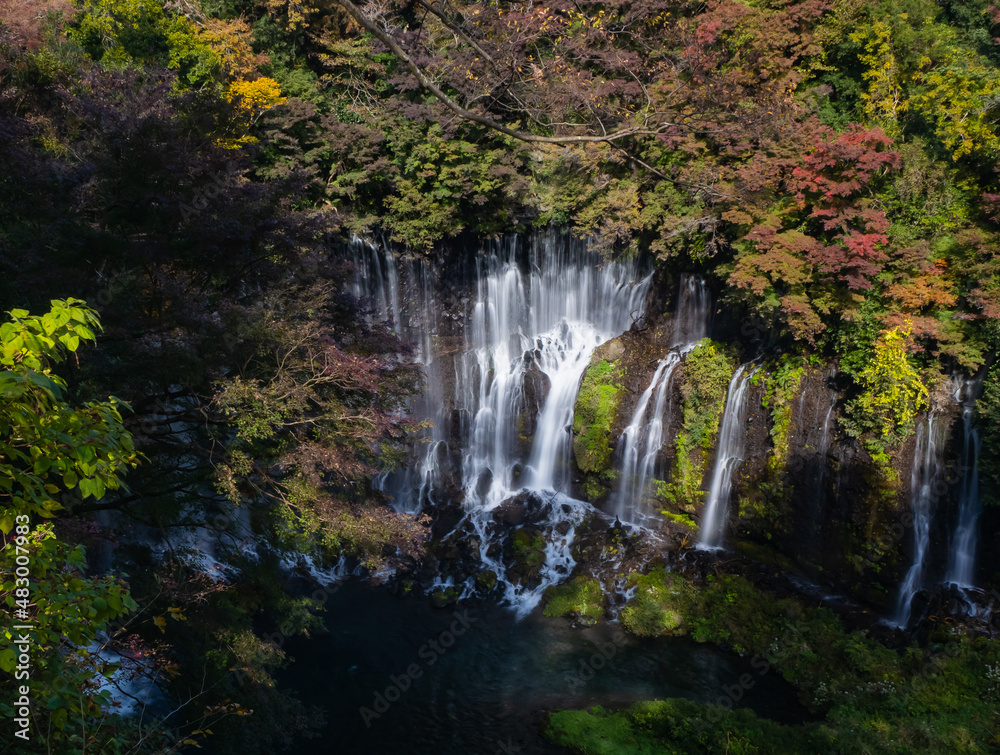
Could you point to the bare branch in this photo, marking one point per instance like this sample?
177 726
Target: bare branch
425 81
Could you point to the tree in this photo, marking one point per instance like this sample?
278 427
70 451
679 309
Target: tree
823 245
891 393
317 413
49 448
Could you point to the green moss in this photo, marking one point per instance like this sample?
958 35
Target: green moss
594 418
683 519
707 371
782 384
581 596
529 548
655 607
939 699
765 508
486 580
668 727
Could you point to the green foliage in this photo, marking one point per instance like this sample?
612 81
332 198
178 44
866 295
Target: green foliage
959 96
707 371
891 394
580 597
783 384
441 184
142 33
50 447
678 727
594 418
874 699
313 422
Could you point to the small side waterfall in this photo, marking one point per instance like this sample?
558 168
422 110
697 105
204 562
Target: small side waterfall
923 495
401 292
694 308
640 443
728 455
962 548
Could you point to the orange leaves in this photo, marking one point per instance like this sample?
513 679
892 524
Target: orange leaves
921 291
230 40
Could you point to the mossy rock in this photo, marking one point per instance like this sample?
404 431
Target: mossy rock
708 369
445 596
486 580
528 551
581 597
658 604
594 418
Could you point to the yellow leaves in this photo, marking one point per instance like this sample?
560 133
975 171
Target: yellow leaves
177 614
254 97
884 101
893 392
251 98
959 98
230 40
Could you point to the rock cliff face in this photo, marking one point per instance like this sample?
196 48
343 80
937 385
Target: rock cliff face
645 368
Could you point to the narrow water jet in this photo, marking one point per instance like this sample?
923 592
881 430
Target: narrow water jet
694 308
728 456
962 547
640 443
923 495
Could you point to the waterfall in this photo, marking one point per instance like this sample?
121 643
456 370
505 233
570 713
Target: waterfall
728 456
570 305
400 292
537 314
924 474
640 443
553 321
694 307
962 547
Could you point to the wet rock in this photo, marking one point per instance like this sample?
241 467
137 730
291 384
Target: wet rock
486 580
444 597
510 513
527 554
484 482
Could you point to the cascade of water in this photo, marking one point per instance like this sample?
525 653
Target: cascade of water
551 323
376 280
926 467
562 356
694 307
640 443
493 376
401 291
728 456
570 305
546 322
962 548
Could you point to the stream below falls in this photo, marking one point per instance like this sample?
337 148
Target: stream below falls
491 687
